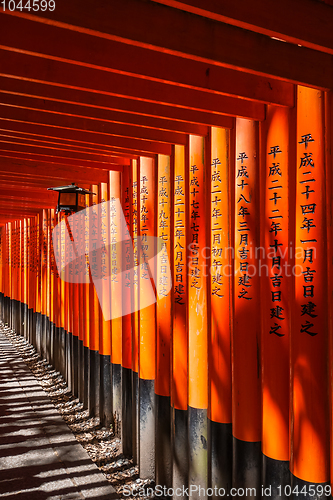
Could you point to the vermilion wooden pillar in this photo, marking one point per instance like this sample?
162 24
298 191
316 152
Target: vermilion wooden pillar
310 416
116 220
163 458
86 308
246 334
147 316
135 308
126 359
198 316
276 276
221 313
94 323
106 413
179 396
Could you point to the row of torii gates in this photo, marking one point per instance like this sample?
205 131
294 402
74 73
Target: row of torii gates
190 304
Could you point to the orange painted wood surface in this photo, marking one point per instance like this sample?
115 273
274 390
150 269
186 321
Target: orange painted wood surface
180 305
310 417
276 281
221 272
246 336
197 280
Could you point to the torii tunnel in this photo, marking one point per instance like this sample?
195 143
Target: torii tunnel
189 305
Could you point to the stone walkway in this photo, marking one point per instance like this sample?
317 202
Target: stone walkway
40 458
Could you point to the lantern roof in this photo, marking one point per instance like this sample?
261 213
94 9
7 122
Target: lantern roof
70 188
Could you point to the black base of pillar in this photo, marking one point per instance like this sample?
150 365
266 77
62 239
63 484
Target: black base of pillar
25 320
220 453
275 477
37 333
43 336
247 466
147 429
310 489
135 417
94 384
80 370
180 448
198 454
105 402
163 458
86 368
47 339
52 342
126 427
30 325
75 365
69 353
62 352
116 398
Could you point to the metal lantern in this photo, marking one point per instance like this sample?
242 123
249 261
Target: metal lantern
71 198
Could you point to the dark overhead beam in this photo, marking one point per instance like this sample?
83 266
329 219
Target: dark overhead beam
302 22
162 112
165 29
70 120
30 36
61 145
103 114
24 152
66 74
19 169
63 154
122 143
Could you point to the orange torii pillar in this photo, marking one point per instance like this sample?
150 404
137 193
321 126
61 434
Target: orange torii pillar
147 315
116 222
246 334
179 438
44 298
276 279
57 298
219 347
163 459
14 276
64 298
94 324
126 359
2 270
135 308
105 403
52 290
86 311
197 322
82 278
25 277
38 303
76 304
32 277
310 449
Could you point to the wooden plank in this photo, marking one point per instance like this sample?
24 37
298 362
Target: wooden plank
113 102
117 57
288 22
99 113
176 32
104 162
45 171
123 143
85 123
85 78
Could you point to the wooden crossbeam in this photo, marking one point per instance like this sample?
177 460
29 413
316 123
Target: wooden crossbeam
30 36
169 30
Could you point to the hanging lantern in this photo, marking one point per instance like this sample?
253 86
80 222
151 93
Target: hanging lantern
71 198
